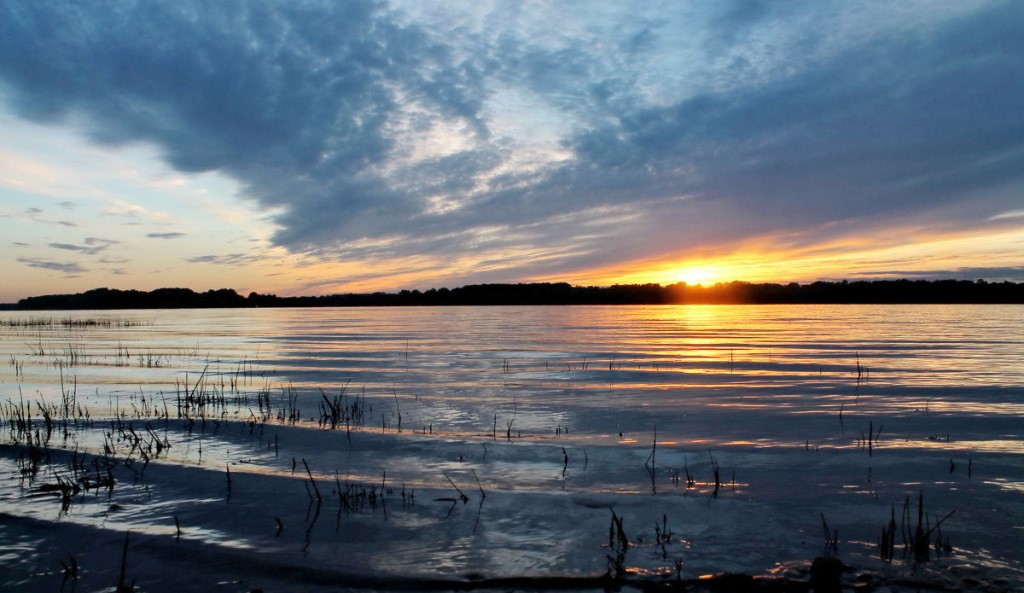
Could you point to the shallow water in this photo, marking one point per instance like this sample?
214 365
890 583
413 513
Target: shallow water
545 418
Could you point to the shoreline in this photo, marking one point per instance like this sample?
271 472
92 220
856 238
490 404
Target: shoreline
879 292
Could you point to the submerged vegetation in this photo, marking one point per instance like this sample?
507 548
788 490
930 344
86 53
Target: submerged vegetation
878 291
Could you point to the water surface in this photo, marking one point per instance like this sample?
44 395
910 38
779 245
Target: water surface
560 415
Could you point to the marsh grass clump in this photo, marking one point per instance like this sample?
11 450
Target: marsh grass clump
341 410
919 544
70 323
65 488
143 444
31 436
42 477
355 498
201 401
149 360
18 418
920 538
122 357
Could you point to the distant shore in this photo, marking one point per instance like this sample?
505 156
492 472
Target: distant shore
844 292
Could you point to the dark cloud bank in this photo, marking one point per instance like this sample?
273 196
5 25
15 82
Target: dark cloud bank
300 102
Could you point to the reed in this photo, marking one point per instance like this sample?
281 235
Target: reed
717 475
19 368
831 539
462 495
398 410
483 494
618 543
870 441
663 536
887 541
651 460
69 570
312 481
123 587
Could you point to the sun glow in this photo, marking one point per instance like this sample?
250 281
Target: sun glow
696 275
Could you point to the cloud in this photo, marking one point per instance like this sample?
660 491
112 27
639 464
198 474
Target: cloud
419 130
45 264
92 246
67 246
128 210
33 214
232 259
166 235
994 274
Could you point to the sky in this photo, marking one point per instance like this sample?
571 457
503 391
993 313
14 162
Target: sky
313 147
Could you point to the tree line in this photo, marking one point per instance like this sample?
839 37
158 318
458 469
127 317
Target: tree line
560 293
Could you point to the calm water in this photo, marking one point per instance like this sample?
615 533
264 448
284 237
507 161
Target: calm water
552 410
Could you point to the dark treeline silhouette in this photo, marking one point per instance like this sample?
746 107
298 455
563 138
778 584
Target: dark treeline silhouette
161 298
867 292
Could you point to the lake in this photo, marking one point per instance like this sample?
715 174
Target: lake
292 449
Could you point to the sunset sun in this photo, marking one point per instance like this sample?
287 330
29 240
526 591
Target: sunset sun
697 275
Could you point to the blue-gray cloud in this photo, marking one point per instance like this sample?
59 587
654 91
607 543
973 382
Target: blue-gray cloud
231 259
45 264
995 274
166 235
92 246
67 246
727 121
